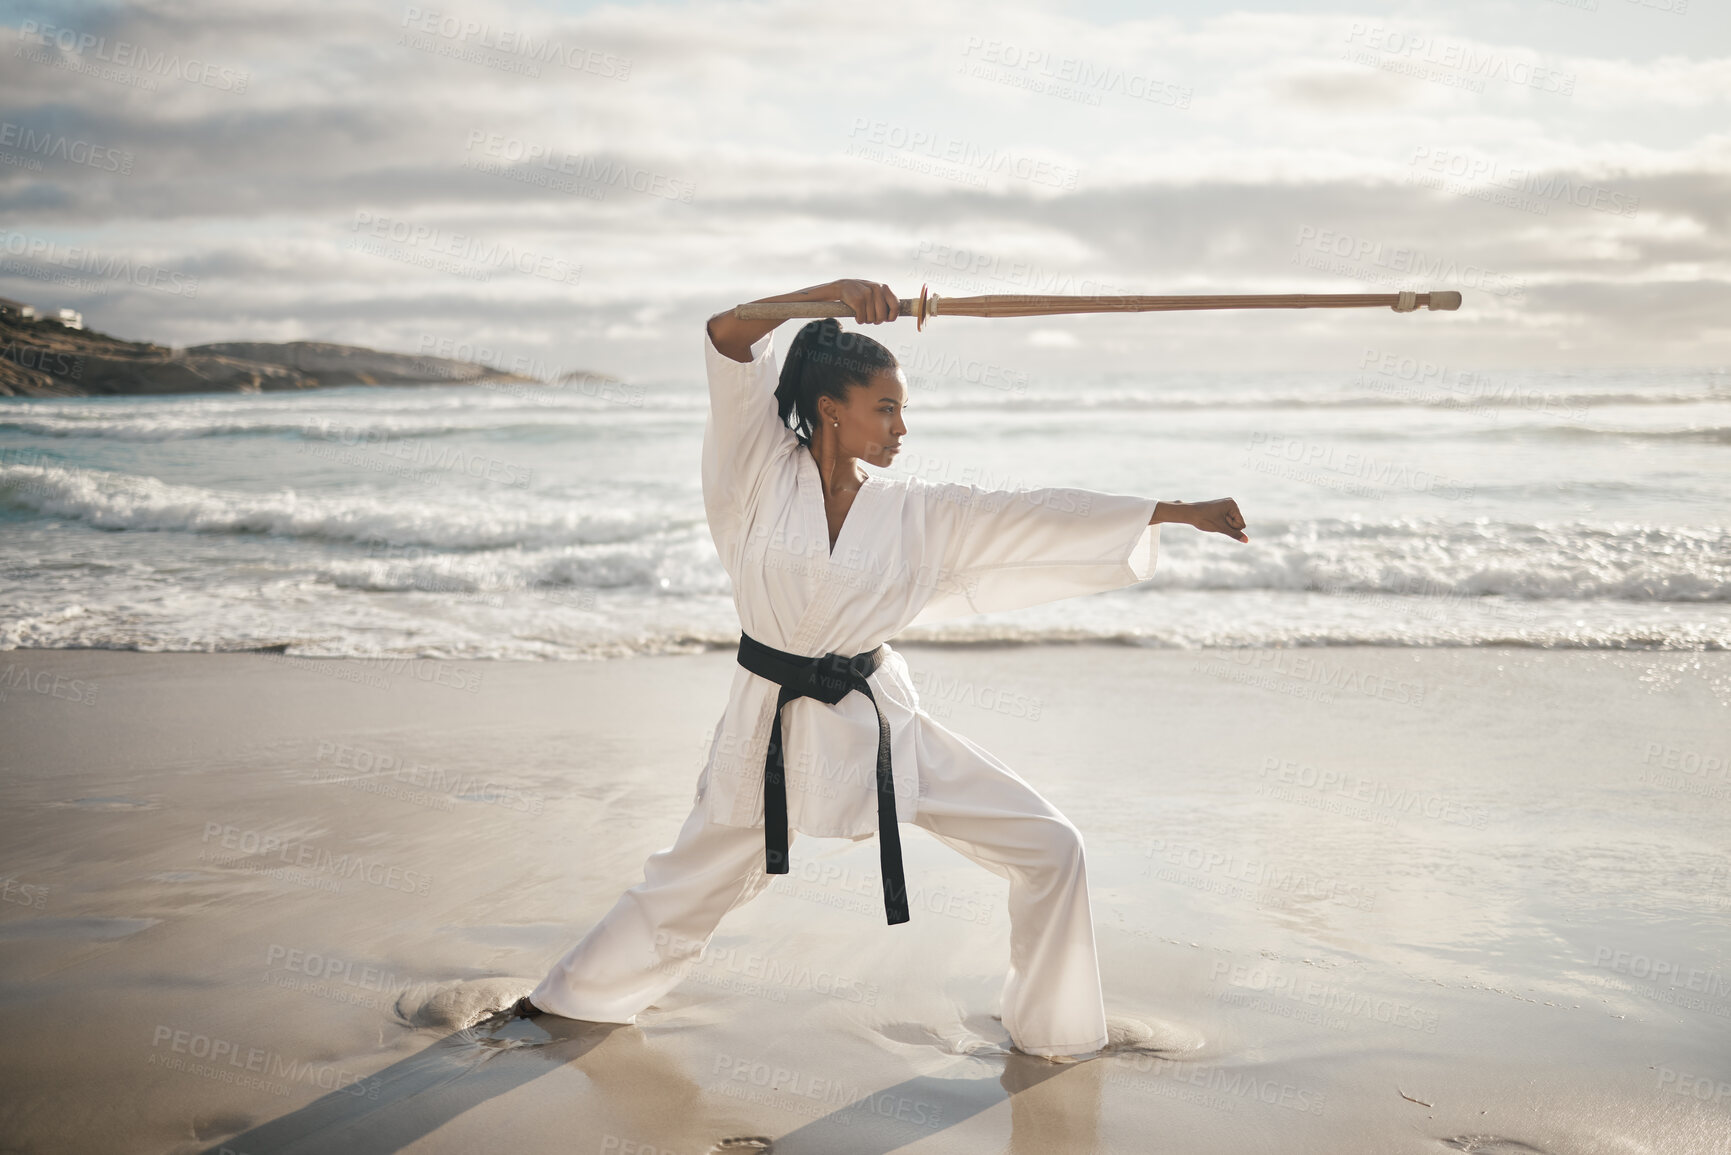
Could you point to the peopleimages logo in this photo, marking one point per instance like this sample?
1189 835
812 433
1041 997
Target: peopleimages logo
465 247
260 1068
250 845
47 683
967 157
1454 62
58 147
1466 175
463 32
1663 972
1071 77
81 259
125 54
1366 259
591 174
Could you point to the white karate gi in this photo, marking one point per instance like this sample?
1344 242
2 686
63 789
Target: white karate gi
909 552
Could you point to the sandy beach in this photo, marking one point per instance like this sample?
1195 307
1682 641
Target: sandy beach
395 443
1364 899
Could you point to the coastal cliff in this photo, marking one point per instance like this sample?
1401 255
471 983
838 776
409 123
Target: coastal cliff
43 358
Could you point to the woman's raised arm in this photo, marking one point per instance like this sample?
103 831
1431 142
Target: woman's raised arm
872 304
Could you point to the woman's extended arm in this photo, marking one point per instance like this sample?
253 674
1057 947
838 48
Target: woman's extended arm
872 304
1218 516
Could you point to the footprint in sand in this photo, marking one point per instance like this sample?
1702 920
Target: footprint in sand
959 1041
456 1006
1149 1037
1491 1145
1124 1035
1146 1036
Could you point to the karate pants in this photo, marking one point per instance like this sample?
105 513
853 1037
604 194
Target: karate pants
1052 1003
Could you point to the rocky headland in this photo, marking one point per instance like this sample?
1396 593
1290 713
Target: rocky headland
44 358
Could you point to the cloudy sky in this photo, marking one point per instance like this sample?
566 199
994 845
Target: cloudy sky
569 184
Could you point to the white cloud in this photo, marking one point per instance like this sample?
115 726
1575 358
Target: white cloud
1169 153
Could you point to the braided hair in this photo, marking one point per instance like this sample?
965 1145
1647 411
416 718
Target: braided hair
822 361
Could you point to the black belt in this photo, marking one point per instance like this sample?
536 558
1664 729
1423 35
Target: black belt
828 679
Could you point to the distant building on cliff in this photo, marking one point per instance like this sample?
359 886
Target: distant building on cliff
71 318
16 310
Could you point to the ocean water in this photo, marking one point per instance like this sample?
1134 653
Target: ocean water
1385 507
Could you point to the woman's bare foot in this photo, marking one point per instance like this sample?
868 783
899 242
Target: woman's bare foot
521 1009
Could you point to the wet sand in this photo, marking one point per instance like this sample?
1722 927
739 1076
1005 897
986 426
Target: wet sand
1366 900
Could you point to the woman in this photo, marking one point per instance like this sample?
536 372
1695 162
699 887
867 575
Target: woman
827 561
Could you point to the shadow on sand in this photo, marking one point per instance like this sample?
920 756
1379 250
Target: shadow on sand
414 1097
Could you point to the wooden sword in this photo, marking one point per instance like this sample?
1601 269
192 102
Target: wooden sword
929 304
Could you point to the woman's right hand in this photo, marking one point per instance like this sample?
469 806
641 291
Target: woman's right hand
871 302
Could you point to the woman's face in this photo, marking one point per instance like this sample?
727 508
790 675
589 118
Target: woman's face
869 427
